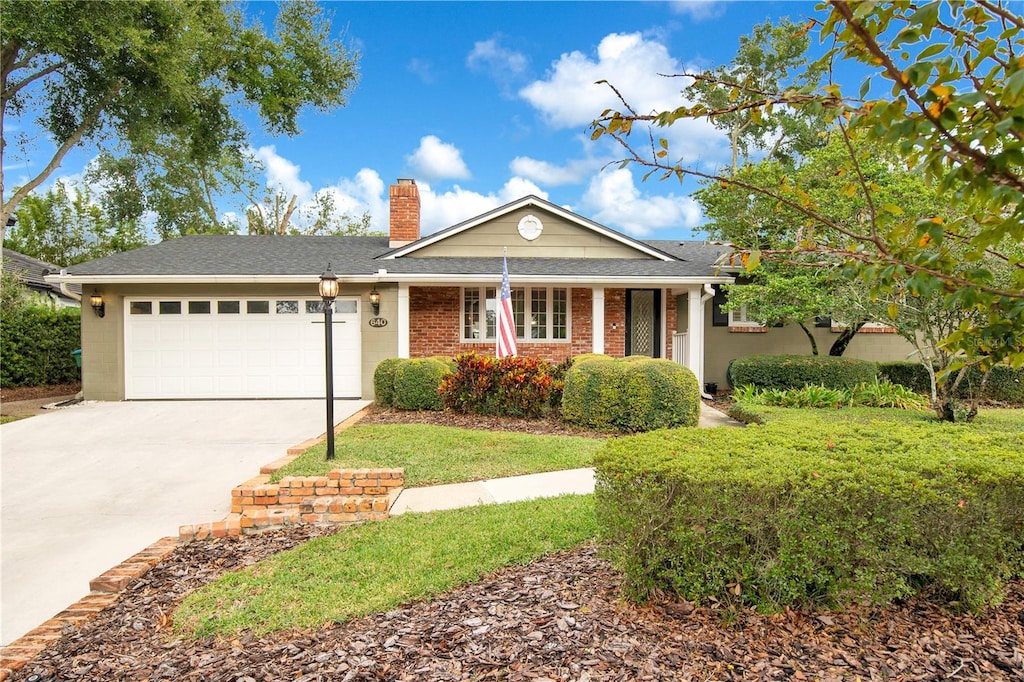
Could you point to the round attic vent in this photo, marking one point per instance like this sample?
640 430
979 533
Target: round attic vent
530 227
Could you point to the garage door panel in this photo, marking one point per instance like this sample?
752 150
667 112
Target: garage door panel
241 355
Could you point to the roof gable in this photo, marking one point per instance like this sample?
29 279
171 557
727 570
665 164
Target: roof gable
564 234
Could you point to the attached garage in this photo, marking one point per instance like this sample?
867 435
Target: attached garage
238 347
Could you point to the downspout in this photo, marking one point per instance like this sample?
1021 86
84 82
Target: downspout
709 293
64 287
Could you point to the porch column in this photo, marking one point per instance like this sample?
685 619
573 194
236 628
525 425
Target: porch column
403 320
597 318
695 334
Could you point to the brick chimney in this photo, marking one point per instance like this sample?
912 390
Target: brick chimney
405 212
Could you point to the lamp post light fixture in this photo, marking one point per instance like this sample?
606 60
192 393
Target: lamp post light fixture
375 301
96 301
329 292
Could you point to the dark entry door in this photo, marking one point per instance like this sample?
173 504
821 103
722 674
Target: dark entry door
643 322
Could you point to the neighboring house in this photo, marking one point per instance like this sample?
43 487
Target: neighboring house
32 271
229 316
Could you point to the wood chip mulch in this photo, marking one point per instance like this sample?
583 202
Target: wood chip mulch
18 393
559 618
551 426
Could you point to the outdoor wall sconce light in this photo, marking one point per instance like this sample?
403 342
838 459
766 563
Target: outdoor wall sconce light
96 301
375 301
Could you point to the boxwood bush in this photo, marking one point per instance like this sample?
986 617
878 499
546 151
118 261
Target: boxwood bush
410 384
36 343
797 371
631 395
384 381
815 512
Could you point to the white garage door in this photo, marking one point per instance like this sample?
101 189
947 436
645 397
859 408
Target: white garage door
238 348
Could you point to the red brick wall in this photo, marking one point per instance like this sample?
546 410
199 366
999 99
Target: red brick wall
615 322
434 318
405 212
671 313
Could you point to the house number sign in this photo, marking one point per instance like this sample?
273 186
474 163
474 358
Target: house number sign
378 322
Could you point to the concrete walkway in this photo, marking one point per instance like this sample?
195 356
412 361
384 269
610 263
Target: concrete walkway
517 488
85 487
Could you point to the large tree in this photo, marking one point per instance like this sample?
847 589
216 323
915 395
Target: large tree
954 112
68 225
130 76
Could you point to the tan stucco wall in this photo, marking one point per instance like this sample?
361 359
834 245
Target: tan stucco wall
721 345
559 239
103 339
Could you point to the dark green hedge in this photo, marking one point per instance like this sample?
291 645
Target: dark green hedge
811 511
36 344
797 371
384 381
1004 385
631 395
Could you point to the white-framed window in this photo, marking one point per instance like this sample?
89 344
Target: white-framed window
541 314
740 318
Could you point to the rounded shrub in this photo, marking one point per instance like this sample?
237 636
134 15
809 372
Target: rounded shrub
658 394
593 396
417 382
797 371
384 381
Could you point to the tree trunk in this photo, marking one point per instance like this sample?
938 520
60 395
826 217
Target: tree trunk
840 344
810 337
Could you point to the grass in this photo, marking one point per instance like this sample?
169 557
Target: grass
7 419
1006 420
433 455
376 567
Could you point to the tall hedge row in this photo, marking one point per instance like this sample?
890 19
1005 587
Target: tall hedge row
36 344
1005 384
797 371
815 512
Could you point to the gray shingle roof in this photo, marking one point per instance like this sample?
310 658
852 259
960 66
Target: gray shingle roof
31 272
241 255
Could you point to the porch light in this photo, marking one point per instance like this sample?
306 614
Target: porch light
375 301
328 292
96 301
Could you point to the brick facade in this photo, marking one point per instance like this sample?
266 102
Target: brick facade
404 226
435 317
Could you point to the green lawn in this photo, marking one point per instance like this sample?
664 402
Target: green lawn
992 419
376 567
433 455
13 418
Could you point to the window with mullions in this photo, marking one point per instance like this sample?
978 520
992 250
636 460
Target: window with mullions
540 313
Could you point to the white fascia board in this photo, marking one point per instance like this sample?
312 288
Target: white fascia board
639 282
202 279
516 205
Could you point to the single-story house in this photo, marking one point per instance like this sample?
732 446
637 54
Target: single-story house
231 316
32 272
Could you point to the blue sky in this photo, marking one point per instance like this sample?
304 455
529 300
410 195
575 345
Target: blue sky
485 102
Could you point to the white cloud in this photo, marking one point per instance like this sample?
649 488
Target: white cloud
614 200
423 69
282 174
500 62
572 172
437 160
444 209
699 10
570 97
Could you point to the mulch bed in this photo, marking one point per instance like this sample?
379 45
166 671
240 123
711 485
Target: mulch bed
14 394
551 426
559 618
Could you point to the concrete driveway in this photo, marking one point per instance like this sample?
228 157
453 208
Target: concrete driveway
83 488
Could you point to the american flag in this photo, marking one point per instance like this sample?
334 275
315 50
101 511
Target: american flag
506 322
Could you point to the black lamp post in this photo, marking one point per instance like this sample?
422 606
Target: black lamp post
328 292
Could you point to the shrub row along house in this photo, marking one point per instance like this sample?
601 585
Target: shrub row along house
228 316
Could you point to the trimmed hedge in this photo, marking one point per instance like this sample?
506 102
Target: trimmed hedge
631 395
410 384
797 371
1004 385
36 344
809 511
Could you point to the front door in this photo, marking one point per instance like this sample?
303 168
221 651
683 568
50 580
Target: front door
643 322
